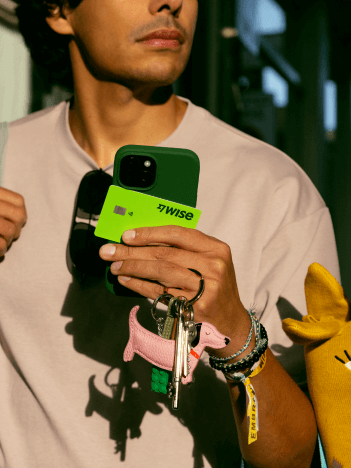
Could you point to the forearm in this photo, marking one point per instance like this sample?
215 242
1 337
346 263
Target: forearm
287 428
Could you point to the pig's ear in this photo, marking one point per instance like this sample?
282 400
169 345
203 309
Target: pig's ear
324 295
311 330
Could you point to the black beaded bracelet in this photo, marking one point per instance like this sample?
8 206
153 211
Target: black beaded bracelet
222 365
250 359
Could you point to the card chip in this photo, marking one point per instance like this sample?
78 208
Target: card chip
120 210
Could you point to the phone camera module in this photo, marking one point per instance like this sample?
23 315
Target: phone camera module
137 171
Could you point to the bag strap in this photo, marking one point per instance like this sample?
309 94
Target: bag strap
321 453
4 133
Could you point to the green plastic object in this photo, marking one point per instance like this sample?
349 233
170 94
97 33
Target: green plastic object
159 380
177 178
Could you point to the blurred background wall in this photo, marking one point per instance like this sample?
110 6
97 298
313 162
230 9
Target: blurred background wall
277 69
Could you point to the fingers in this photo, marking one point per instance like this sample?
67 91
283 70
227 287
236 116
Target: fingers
11 197
165 273
13 216
181 237
164 252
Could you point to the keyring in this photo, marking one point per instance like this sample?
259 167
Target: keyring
156 301
201 290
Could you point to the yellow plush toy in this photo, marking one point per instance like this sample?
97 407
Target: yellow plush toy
326 334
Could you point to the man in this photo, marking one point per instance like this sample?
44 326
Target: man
262 224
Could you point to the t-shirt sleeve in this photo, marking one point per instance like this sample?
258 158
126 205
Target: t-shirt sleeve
280 284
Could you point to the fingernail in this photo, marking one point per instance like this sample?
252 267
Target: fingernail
116 266
108 249
129 235
124 278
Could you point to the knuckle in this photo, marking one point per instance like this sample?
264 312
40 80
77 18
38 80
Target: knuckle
219 266
157 290
11 232
3 245
19 199
7 228
214 287
130 265
178 231
162 252
226 251
19 215
201 307
129 251
165 268
145 232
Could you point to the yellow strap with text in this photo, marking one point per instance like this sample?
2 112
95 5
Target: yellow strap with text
252 409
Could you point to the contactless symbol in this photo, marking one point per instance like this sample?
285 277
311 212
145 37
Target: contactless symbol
348 364
120 210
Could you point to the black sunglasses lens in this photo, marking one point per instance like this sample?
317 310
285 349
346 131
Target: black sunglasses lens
84 250
83 244
92 191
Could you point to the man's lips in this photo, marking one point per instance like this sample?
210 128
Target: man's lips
164 34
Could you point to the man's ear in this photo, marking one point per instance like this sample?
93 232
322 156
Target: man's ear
58 21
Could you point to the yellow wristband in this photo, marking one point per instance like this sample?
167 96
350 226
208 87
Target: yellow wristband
260 366
252 407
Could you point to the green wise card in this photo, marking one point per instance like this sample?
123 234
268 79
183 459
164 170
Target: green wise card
125 209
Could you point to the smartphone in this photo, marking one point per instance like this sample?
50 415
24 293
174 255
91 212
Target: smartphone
168 173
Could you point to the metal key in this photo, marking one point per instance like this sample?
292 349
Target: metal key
190 333
186 349
170 318
179 356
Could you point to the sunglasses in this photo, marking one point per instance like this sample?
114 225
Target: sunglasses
83 258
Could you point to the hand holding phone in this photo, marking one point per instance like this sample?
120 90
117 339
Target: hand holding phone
171 174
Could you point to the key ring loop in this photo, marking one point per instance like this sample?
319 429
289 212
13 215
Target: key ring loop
201 289
156 301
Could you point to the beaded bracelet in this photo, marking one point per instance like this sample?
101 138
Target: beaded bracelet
252 372
219 365
251 358
226 359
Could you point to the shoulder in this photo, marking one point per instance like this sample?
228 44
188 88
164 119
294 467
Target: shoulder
35 123
248 152
256 165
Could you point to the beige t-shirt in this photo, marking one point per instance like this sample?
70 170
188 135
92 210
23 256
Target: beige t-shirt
67 399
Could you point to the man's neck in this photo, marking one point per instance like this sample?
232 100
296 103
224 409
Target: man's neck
102 125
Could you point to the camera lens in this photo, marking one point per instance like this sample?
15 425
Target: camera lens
137 171
147 178
133 163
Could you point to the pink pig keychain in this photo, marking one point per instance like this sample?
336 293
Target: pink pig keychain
176 355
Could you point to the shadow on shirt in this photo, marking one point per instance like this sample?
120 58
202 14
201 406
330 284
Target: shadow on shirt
291 357
100 331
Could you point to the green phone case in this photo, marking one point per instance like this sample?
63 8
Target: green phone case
177 178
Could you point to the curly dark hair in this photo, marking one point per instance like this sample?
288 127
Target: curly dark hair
48 49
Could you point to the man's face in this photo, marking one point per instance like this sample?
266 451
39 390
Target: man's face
107 35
